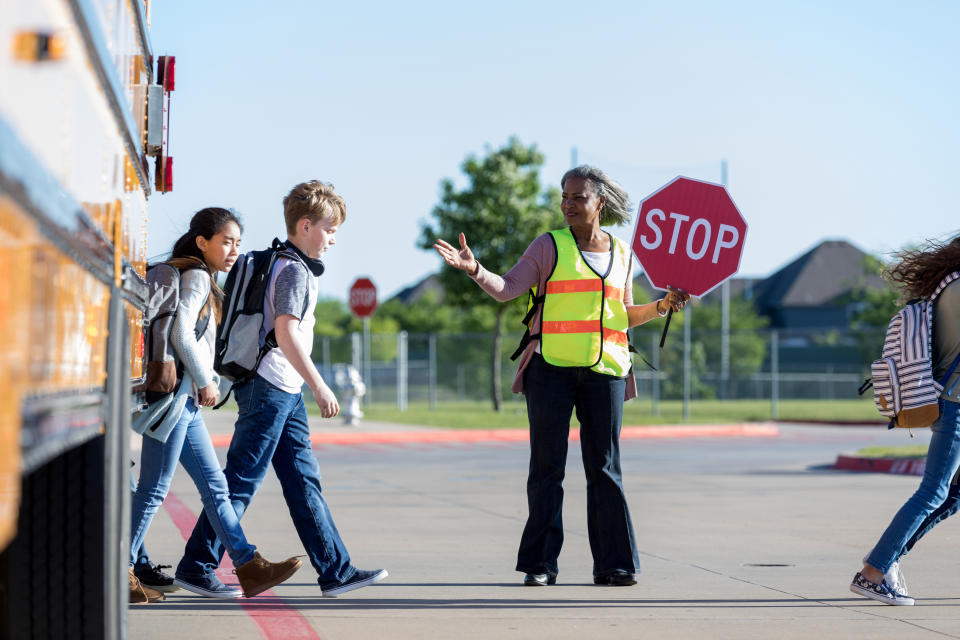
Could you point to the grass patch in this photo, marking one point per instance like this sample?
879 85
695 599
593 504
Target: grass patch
909 451
479 415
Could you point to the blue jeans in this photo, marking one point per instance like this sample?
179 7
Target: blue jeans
923 509
272 428
553 394
949 507
140 556
189 442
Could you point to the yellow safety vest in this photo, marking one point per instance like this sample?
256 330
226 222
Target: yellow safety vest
584 320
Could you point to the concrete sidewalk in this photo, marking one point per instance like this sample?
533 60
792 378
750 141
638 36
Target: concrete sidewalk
738 538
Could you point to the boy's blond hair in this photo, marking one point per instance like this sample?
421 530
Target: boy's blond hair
315 200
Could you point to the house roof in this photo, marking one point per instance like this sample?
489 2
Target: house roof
817 278
417 290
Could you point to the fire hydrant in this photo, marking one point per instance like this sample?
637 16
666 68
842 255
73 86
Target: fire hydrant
352 389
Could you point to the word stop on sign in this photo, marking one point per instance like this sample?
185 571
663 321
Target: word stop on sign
363 297
697 238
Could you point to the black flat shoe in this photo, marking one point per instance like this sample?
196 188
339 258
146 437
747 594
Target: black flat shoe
618 578
539 579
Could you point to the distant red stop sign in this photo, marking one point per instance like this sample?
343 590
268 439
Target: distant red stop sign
689 235
363 297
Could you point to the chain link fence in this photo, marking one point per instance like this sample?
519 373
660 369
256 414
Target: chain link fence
693 365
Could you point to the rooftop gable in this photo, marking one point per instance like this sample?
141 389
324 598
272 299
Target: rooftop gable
818 277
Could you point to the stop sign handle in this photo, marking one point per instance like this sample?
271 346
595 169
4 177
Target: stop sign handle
663 336
666 325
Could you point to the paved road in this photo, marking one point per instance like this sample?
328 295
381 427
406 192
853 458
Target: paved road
739 538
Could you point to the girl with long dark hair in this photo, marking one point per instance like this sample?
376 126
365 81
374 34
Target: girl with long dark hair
210 245
919 273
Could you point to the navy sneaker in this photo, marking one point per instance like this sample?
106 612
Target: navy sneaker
208 586
152 575
359 579
882 592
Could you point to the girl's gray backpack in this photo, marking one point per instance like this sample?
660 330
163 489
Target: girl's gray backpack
163 371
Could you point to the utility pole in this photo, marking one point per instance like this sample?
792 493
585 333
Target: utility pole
573 157
725 318
687 374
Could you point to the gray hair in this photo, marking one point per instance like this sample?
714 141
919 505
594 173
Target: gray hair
616 208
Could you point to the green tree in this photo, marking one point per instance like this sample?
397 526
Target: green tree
502 209
748 344
334 320
462 332
873 307
427 315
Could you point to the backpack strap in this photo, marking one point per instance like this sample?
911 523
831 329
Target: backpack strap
946 376
940 287
943 285
200 327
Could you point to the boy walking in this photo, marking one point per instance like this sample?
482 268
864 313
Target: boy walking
272 427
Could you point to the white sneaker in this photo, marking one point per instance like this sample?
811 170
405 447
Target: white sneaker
894 578
881 592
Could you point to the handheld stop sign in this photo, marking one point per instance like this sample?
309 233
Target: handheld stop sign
688 236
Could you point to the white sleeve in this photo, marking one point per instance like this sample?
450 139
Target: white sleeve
194 290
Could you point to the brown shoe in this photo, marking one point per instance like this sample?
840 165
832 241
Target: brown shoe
259 574
141 594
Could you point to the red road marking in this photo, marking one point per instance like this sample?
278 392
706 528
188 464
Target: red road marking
277 620
438 436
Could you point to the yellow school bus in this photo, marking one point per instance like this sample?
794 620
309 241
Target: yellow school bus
82 148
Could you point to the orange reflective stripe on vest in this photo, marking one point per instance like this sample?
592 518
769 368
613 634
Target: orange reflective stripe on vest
583 326
582 286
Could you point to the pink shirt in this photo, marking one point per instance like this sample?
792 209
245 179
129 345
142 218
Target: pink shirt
532 270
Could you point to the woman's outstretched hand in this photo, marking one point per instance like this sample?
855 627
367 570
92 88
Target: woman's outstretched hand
462 259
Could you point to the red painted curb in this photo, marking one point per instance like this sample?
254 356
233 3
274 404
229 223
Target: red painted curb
840 423
458 436
902 466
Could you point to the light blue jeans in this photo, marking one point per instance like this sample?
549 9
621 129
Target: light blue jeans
140 556
189 442
943 459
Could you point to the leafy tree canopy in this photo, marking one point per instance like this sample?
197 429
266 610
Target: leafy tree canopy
501 211
873 307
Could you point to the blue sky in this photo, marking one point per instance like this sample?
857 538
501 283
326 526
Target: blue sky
836 119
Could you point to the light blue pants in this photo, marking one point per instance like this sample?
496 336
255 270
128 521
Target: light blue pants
943 459
189 442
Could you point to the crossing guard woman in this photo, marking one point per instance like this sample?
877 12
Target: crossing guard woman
575 358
